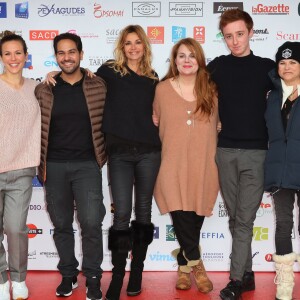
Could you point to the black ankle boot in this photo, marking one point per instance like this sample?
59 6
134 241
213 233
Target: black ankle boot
119 242
142 237
248 282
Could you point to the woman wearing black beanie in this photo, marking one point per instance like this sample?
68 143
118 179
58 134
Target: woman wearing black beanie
282 166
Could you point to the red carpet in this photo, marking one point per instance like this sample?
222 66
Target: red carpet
156 286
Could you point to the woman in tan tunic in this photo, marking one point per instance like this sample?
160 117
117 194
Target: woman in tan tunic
185 108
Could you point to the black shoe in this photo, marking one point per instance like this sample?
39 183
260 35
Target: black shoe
66 286
134 287
232 291
93 291
248 282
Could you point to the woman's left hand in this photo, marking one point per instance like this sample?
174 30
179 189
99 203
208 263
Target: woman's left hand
90 73
50 78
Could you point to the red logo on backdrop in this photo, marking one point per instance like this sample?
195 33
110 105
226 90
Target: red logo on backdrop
199 34
99 12
156 34
42 35
269 257
277 9
33 231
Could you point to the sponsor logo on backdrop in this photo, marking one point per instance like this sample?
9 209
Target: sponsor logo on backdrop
260 233
212 235
146 9
287 36
170 234
260 35
178 33
42 35
222 210
220 7
161 257
269 257
22 10
50 61
32 254
212 256
36 207
45 10
264 208
199 34
33 231
28 64
99 12
3 10
279 9
35 181
97 61
156 34
112 35
156 232
186 9
49 254
218 38
84 35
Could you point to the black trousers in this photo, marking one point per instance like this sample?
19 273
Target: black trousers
79 182
284 200
187 226
127 172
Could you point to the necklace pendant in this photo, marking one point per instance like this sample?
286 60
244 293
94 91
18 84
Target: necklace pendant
189 122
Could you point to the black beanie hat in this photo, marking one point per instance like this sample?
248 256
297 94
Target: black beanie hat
289 50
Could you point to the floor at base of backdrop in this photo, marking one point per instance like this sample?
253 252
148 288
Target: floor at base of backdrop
156 286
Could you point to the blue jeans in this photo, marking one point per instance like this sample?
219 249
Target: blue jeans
128 170
284 200
80 182
15 195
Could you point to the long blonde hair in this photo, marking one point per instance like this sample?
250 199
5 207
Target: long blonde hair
120 62
205 88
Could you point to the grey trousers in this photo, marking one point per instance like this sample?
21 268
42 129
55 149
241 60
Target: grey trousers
241 175
15 195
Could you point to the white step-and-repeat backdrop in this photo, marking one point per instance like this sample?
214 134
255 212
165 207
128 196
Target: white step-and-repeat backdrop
98 23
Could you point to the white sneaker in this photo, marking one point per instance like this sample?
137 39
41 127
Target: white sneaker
19 290
4 291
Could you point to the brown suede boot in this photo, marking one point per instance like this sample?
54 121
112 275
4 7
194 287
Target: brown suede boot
203 282
184 278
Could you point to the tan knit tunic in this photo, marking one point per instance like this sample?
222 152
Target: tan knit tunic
20 127
188 176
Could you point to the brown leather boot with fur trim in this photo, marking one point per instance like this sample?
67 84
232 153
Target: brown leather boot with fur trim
184 278
203 282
